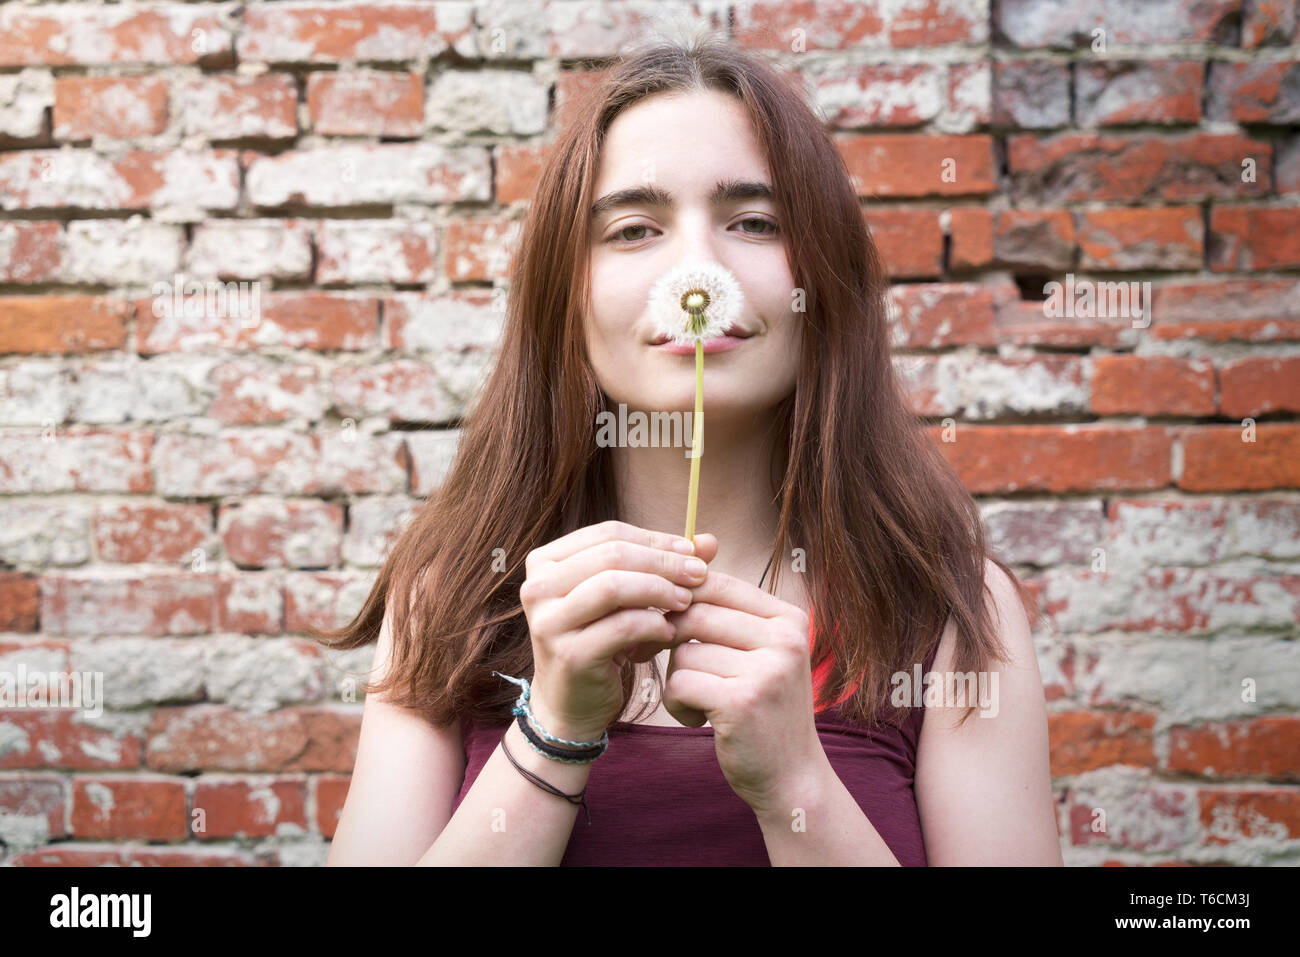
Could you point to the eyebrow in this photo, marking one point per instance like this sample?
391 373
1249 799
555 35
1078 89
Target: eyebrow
725 191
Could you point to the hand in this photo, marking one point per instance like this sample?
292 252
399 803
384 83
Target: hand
589 596
749 675
706 549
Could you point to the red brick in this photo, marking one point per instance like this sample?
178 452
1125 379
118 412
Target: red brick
139 179
76 460
1233 815
518 168
32 796
217 738
252 603
82 34
165 603
1265 91
110 106
251 808
1031 94
1163 238
1084 741
133 532
845 24
62 324
1183 600
147 809
479 248
572 87
1123 92
230 107
1267 22
916 164
366 103
1258 310
1069 25
30 252
970 95
880 95
1133 167
376 250
277 533
107 855
1148 819
20 601
1152 386
1042 239
1259 385
1257 747
1070 458
59 738
251 393
1254 237
297 319
331 794
934 315
1218 459
338 32
971 230
910 241
1028 323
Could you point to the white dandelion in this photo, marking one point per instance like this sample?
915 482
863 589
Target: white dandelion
695 300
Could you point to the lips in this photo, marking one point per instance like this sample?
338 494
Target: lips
732 330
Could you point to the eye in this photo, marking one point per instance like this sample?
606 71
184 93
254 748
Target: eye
761 221
615 237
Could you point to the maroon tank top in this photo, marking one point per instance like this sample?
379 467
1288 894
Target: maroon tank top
658 797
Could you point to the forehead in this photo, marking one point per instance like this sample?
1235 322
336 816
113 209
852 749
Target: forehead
699 136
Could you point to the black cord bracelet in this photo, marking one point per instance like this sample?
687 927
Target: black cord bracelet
580 798
567 755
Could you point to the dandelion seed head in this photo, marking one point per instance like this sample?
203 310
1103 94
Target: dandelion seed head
695 300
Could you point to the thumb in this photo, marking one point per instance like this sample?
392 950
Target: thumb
706 546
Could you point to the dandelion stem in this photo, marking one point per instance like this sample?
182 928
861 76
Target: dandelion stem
697 441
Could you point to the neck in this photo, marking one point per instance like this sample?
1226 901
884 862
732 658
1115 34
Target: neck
735 496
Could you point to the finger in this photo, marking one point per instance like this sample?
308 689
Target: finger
693 696
615 634
715 659
562 577
719 625
609 591
589 535
732 592
640 653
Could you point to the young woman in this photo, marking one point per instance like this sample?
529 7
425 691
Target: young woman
778 735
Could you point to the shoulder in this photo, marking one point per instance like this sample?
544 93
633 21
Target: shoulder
1008 615
983 786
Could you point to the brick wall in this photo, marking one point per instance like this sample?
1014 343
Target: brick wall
181 495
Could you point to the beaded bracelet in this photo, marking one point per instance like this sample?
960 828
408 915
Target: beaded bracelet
573 752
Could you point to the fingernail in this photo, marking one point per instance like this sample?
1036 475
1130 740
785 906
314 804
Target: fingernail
684 546
696 567
683 594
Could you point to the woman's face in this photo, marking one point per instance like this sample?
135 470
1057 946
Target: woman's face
685 145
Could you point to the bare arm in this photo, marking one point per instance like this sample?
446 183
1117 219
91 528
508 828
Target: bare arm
506 819
405 781
984 790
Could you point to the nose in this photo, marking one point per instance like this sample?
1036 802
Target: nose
695 237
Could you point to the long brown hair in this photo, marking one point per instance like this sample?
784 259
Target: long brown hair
893 541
